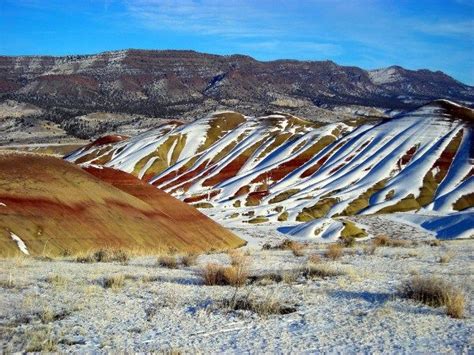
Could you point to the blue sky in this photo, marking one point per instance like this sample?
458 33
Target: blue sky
433 34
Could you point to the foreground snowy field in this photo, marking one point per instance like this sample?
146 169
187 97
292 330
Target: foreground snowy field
64 305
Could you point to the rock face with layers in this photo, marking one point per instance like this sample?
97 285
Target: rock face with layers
50 206
187 83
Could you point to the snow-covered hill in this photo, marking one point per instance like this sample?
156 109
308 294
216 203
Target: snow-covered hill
280 168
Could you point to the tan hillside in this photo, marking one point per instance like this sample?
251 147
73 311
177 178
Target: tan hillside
54 207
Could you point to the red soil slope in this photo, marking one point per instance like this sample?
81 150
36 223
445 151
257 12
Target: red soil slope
55 206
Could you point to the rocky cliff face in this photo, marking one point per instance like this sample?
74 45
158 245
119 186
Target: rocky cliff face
190 84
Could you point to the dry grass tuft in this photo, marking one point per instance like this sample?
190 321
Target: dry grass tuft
333 251
381 241
435 292
57 280
434 243
314 258
237 257
322 270
8 283
189 259
40 340
168 261
348 242
386 241
114 282
370 249
263 306
297 249
446 257
286 244
286 276
105 255
219 275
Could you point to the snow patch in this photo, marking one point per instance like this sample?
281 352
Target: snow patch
21 244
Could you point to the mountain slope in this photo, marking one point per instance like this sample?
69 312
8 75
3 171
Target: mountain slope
282 168
52 206
187 83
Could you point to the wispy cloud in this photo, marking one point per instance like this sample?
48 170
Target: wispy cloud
208 17
447 29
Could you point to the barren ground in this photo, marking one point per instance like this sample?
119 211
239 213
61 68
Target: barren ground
63 305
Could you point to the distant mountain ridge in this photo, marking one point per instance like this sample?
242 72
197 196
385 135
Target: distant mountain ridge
172 83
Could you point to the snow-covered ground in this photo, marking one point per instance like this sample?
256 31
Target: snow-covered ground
159 309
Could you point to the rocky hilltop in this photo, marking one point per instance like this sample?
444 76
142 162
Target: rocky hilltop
190 84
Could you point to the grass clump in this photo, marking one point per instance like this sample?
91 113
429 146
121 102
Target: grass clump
114 282
446 257
220 275
321 270
435 292
286 276
314 258
334 251
105 255
57 280
386 241
189 259
41 340
287 244
263 306
168 261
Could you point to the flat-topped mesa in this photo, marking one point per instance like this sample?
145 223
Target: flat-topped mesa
187 83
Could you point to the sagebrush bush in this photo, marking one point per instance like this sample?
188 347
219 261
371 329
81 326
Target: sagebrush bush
435 292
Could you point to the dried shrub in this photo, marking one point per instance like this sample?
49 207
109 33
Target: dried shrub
114 282
286 276
286 244
314 258
237 257
219 275
189 259
322 270
370 249
434 243
263 306
446 257
168 261
348 242
435 292
105 255
386 241
297 249
381 241
333 251
57 280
